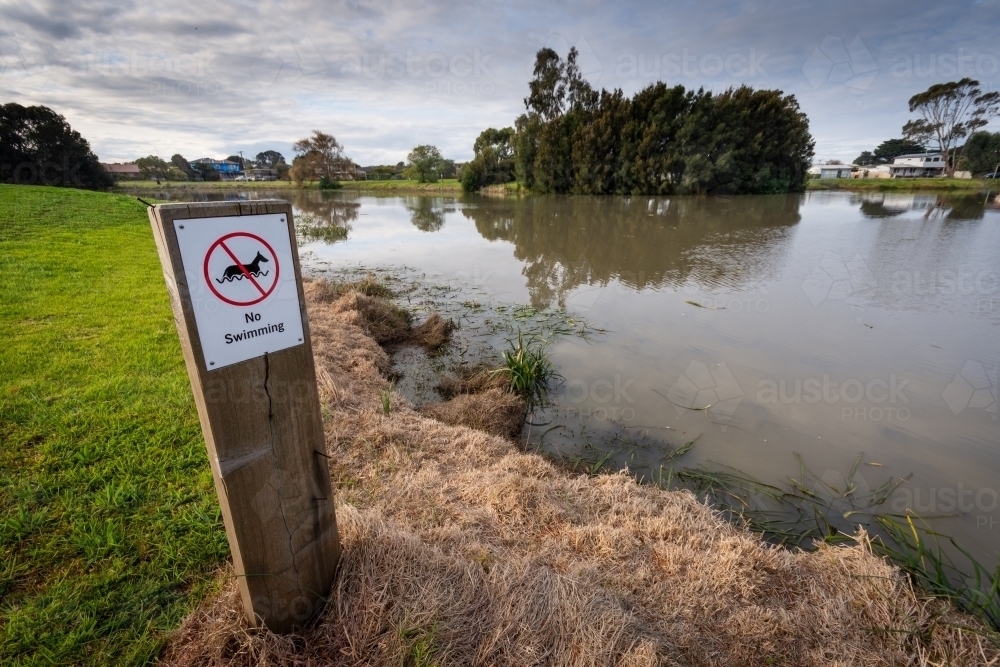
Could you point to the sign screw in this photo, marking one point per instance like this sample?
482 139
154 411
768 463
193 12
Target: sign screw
211 363
182 226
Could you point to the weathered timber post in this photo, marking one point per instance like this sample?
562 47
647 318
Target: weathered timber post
232 270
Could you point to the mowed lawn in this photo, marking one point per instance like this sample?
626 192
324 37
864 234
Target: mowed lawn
109 525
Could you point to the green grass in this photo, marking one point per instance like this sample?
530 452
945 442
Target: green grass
109 524
902 184
528 369
449 185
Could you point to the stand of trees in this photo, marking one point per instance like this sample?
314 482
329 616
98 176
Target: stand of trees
981 154
425 164
664 140
493 162
319 158
37 146
887 151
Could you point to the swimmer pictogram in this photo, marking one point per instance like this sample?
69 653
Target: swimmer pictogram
236 282
237 271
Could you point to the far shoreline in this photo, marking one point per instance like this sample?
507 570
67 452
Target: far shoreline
453 186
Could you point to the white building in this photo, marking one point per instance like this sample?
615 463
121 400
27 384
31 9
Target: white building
832 170
918 165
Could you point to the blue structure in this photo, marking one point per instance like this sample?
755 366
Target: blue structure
221 166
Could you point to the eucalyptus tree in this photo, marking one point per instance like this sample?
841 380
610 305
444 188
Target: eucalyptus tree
949 112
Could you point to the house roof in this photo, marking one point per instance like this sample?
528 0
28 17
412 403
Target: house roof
121 168
924 155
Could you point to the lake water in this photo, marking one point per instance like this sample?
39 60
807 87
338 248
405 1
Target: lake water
825 325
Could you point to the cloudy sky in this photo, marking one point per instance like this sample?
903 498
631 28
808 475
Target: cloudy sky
211 79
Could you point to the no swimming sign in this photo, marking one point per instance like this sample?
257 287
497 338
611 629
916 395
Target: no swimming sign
242 286
235 286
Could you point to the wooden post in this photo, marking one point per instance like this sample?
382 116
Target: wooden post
245 335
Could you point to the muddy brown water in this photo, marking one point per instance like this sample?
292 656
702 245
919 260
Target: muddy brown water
824 324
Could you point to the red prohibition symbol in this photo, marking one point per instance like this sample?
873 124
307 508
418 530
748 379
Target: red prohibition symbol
239 271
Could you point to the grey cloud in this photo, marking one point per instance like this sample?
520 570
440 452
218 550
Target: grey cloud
385 76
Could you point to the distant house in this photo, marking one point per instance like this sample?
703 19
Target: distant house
918 165
129 171
832 170
881 171
227 170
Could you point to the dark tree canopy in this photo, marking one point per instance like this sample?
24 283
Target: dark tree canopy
664 140
981 154
37 146
493 162
183 164
269 159
887 151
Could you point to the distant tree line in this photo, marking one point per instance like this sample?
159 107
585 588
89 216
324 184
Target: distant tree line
887 151
981 153
664 140
38 147
179 168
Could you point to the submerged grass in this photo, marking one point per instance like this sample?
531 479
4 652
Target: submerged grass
810 510
314 228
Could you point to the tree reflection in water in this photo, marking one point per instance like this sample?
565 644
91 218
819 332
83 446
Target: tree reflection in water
726 243
427 213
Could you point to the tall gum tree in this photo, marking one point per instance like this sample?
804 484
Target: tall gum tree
950 112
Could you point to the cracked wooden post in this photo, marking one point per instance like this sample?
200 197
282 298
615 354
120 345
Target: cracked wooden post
232 270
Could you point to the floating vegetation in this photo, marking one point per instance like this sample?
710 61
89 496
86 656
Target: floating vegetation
311 227
478 332
699 305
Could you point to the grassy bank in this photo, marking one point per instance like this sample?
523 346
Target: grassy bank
109 525
446 185
902 184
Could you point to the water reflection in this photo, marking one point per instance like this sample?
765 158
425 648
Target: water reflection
427 213
951 207
719 243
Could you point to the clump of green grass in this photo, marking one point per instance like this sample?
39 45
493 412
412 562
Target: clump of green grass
385 396
420 646
527 368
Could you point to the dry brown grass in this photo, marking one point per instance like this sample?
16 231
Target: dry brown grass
433 333
494 411
460 550
474 380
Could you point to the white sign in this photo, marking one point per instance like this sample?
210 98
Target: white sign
242 283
